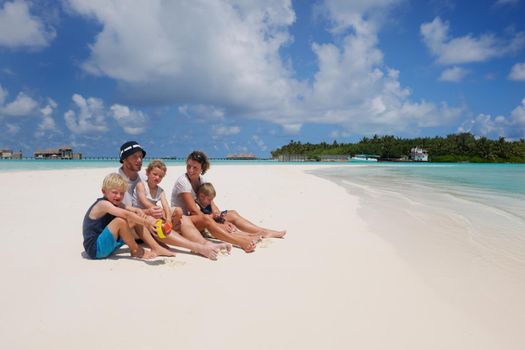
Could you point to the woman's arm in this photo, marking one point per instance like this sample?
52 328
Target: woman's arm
189 202
215 209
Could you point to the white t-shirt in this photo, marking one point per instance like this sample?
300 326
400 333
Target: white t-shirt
183 185
128 196
149 197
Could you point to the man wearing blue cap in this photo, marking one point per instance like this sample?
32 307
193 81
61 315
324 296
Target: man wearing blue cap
131 156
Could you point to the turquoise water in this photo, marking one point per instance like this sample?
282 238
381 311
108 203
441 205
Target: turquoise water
34 164
507 178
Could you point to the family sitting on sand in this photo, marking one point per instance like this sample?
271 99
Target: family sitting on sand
129 211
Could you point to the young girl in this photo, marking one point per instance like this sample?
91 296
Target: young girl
147 195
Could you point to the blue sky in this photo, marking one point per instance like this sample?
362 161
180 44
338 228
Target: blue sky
249 76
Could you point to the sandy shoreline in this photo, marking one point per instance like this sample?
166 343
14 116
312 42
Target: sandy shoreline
331 283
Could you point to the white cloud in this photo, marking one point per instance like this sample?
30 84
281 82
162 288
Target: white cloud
180 52
229 66
355 90
3 95
20 29
22 106
260 143
485 125
365 16
133 122
223 130
12 129
512 127
292 128
25 106
467 48
47 124
335 134
203 112
453 74
517 72
518 117
90 117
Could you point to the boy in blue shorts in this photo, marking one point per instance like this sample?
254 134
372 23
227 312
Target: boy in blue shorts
107 223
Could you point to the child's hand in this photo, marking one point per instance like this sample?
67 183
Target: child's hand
230 227
176 217
155 211
150 224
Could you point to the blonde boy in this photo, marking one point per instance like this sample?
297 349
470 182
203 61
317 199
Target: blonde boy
205 195
106 225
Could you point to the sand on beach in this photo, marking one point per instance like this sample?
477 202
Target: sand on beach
332 283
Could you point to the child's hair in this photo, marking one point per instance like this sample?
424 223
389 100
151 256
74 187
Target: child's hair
114 180
201 158
207 189
156 163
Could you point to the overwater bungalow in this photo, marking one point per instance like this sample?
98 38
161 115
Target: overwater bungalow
65 152
9 154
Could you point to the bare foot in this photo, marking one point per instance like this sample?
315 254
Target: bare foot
141 253
161 251
209 251
148 254
247 244
223 247
273 234
257 237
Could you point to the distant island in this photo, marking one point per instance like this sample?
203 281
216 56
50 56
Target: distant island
462 147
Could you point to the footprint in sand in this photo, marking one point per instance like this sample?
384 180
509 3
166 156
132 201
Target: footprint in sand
265 243
174 263
224 252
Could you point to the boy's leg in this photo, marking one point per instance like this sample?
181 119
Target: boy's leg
151 242
119 228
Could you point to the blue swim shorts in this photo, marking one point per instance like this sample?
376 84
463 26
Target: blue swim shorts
106 244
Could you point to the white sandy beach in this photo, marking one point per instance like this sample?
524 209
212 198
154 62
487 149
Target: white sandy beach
332 283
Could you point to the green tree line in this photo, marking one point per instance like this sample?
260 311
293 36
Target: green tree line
462 147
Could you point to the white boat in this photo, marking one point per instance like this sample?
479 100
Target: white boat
365 158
